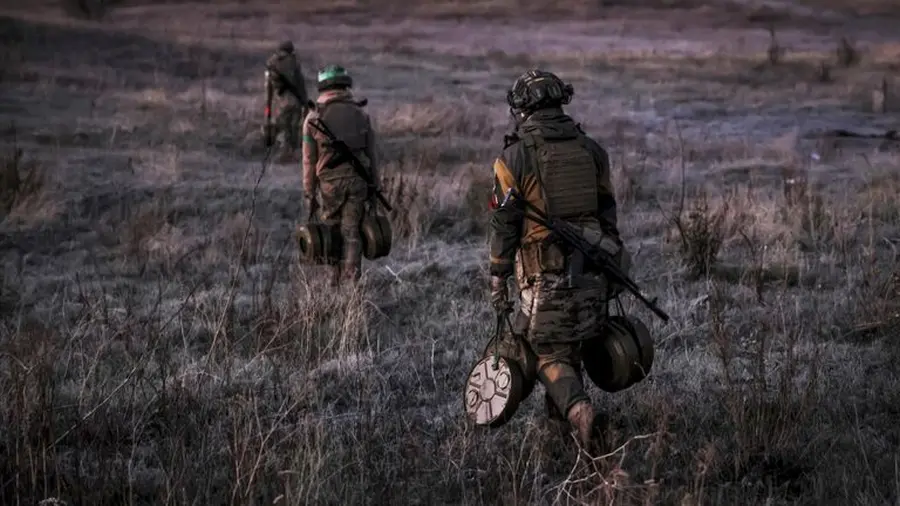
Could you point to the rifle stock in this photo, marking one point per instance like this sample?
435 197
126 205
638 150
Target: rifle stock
568 233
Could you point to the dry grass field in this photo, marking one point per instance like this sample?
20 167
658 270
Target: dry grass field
161 345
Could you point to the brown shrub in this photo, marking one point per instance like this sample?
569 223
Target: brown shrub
20 180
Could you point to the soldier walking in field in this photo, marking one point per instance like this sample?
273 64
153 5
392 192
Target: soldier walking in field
291 108
343 193
563 301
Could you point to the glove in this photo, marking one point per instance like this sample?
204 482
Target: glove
500 295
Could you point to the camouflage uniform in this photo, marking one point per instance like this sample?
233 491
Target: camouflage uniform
560 170
291 109
343 193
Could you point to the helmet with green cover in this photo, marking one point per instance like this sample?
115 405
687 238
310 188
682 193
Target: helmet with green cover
333 77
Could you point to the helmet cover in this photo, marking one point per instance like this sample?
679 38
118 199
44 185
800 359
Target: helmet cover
538 89
333 76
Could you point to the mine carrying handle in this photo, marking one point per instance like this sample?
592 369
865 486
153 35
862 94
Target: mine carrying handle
502 319
344 151
568 233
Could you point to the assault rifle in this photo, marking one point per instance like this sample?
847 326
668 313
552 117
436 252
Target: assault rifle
569 233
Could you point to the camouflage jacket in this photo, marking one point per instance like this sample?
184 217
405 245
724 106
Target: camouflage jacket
516 167
349 123
286 64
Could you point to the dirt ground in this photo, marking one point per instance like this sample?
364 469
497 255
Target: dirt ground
160 344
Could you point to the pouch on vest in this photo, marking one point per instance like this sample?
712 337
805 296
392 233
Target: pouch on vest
551 258
530 259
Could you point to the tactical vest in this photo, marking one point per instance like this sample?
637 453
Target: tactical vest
567 175
349 123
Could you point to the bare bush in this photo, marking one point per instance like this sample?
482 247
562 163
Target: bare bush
847 54
20 180
768 406
775 52
629 168
823 73
701 234
405 193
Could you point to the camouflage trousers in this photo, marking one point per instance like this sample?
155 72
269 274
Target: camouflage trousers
289 122
557 318
343 204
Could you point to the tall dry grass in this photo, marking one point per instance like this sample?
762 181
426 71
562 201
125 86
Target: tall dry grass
160 345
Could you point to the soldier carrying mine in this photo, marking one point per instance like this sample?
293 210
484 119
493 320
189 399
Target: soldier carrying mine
555 166
343 192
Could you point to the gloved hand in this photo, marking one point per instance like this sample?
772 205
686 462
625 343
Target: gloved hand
500 295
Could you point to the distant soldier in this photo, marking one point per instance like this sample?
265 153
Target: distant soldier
291 109
343 192
563 301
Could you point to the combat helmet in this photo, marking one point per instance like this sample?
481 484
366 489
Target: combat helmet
537 89
333 77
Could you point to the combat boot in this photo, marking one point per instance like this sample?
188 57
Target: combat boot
581 416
